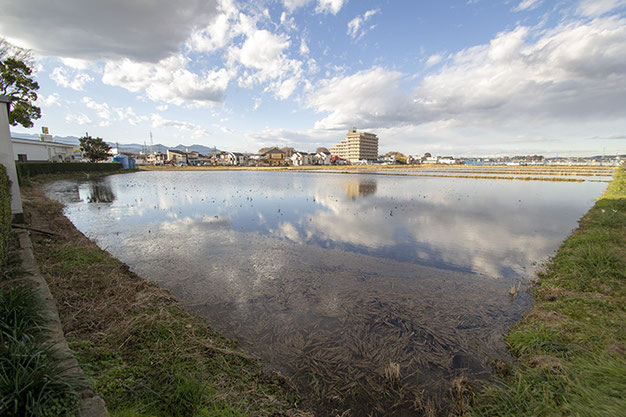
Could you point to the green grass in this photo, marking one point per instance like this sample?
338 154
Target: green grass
21 317
32 380
571 347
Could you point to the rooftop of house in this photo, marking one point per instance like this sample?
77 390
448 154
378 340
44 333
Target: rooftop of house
273 150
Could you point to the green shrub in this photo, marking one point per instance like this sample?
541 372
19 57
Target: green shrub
26 170
5 213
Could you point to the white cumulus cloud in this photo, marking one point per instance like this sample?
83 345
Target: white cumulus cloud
525 5
159 121
433 60
48 101
366 99
263 57
69 78
218 32
356 28
322 6
567 74
80 119
107 114
573 71
599 7
168 80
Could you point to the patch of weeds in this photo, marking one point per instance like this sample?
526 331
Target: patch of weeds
537 339
221 411
12 266
32 380
73 256
121 385
586 308
570 348
186 398
608 214
99 359
21 316
586 265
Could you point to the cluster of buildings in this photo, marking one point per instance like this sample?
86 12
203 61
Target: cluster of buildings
530 160
356 148
265 157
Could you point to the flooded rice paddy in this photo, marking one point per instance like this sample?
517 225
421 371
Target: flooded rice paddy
371 292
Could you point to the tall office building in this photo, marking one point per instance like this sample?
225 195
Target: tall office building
357 146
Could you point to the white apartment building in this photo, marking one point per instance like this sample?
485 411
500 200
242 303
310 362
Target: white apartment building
357 146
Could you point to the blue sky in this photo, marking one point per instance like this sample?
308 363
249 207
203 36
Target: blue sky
470 77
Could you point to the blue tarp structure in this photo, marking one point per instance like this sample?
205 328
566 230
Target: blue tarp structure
124 160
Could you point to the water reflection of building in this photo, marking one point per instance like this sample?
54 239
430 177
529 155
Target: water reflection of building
362 188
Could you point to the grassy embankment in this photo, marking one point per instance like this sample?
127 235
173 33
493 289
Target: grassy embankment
146 355
33 381
571 347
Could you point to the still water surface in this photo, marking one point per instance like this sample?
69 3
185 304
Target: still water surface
365 289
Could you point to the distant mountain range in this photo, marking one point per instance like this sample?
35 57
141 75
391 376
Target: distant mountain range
126 147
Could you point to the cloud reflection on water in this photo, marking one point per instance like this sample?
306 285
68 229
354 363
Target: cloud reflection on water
497 228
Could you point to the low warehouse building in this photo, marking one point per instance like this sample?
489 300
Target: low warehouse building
29 150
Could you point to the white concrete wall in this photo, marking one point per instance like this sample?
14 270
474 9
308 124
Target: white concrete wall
6 157
33 152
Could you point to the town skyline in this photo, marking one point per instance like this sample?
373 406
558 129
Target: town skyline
462 78
145 147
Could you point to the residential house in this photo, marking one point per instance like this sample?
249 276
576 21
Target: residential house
301 158
192 157
205 159
141 159
241 159
176 157
231 158
156 158
273 157
253 160
321 158
414 159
